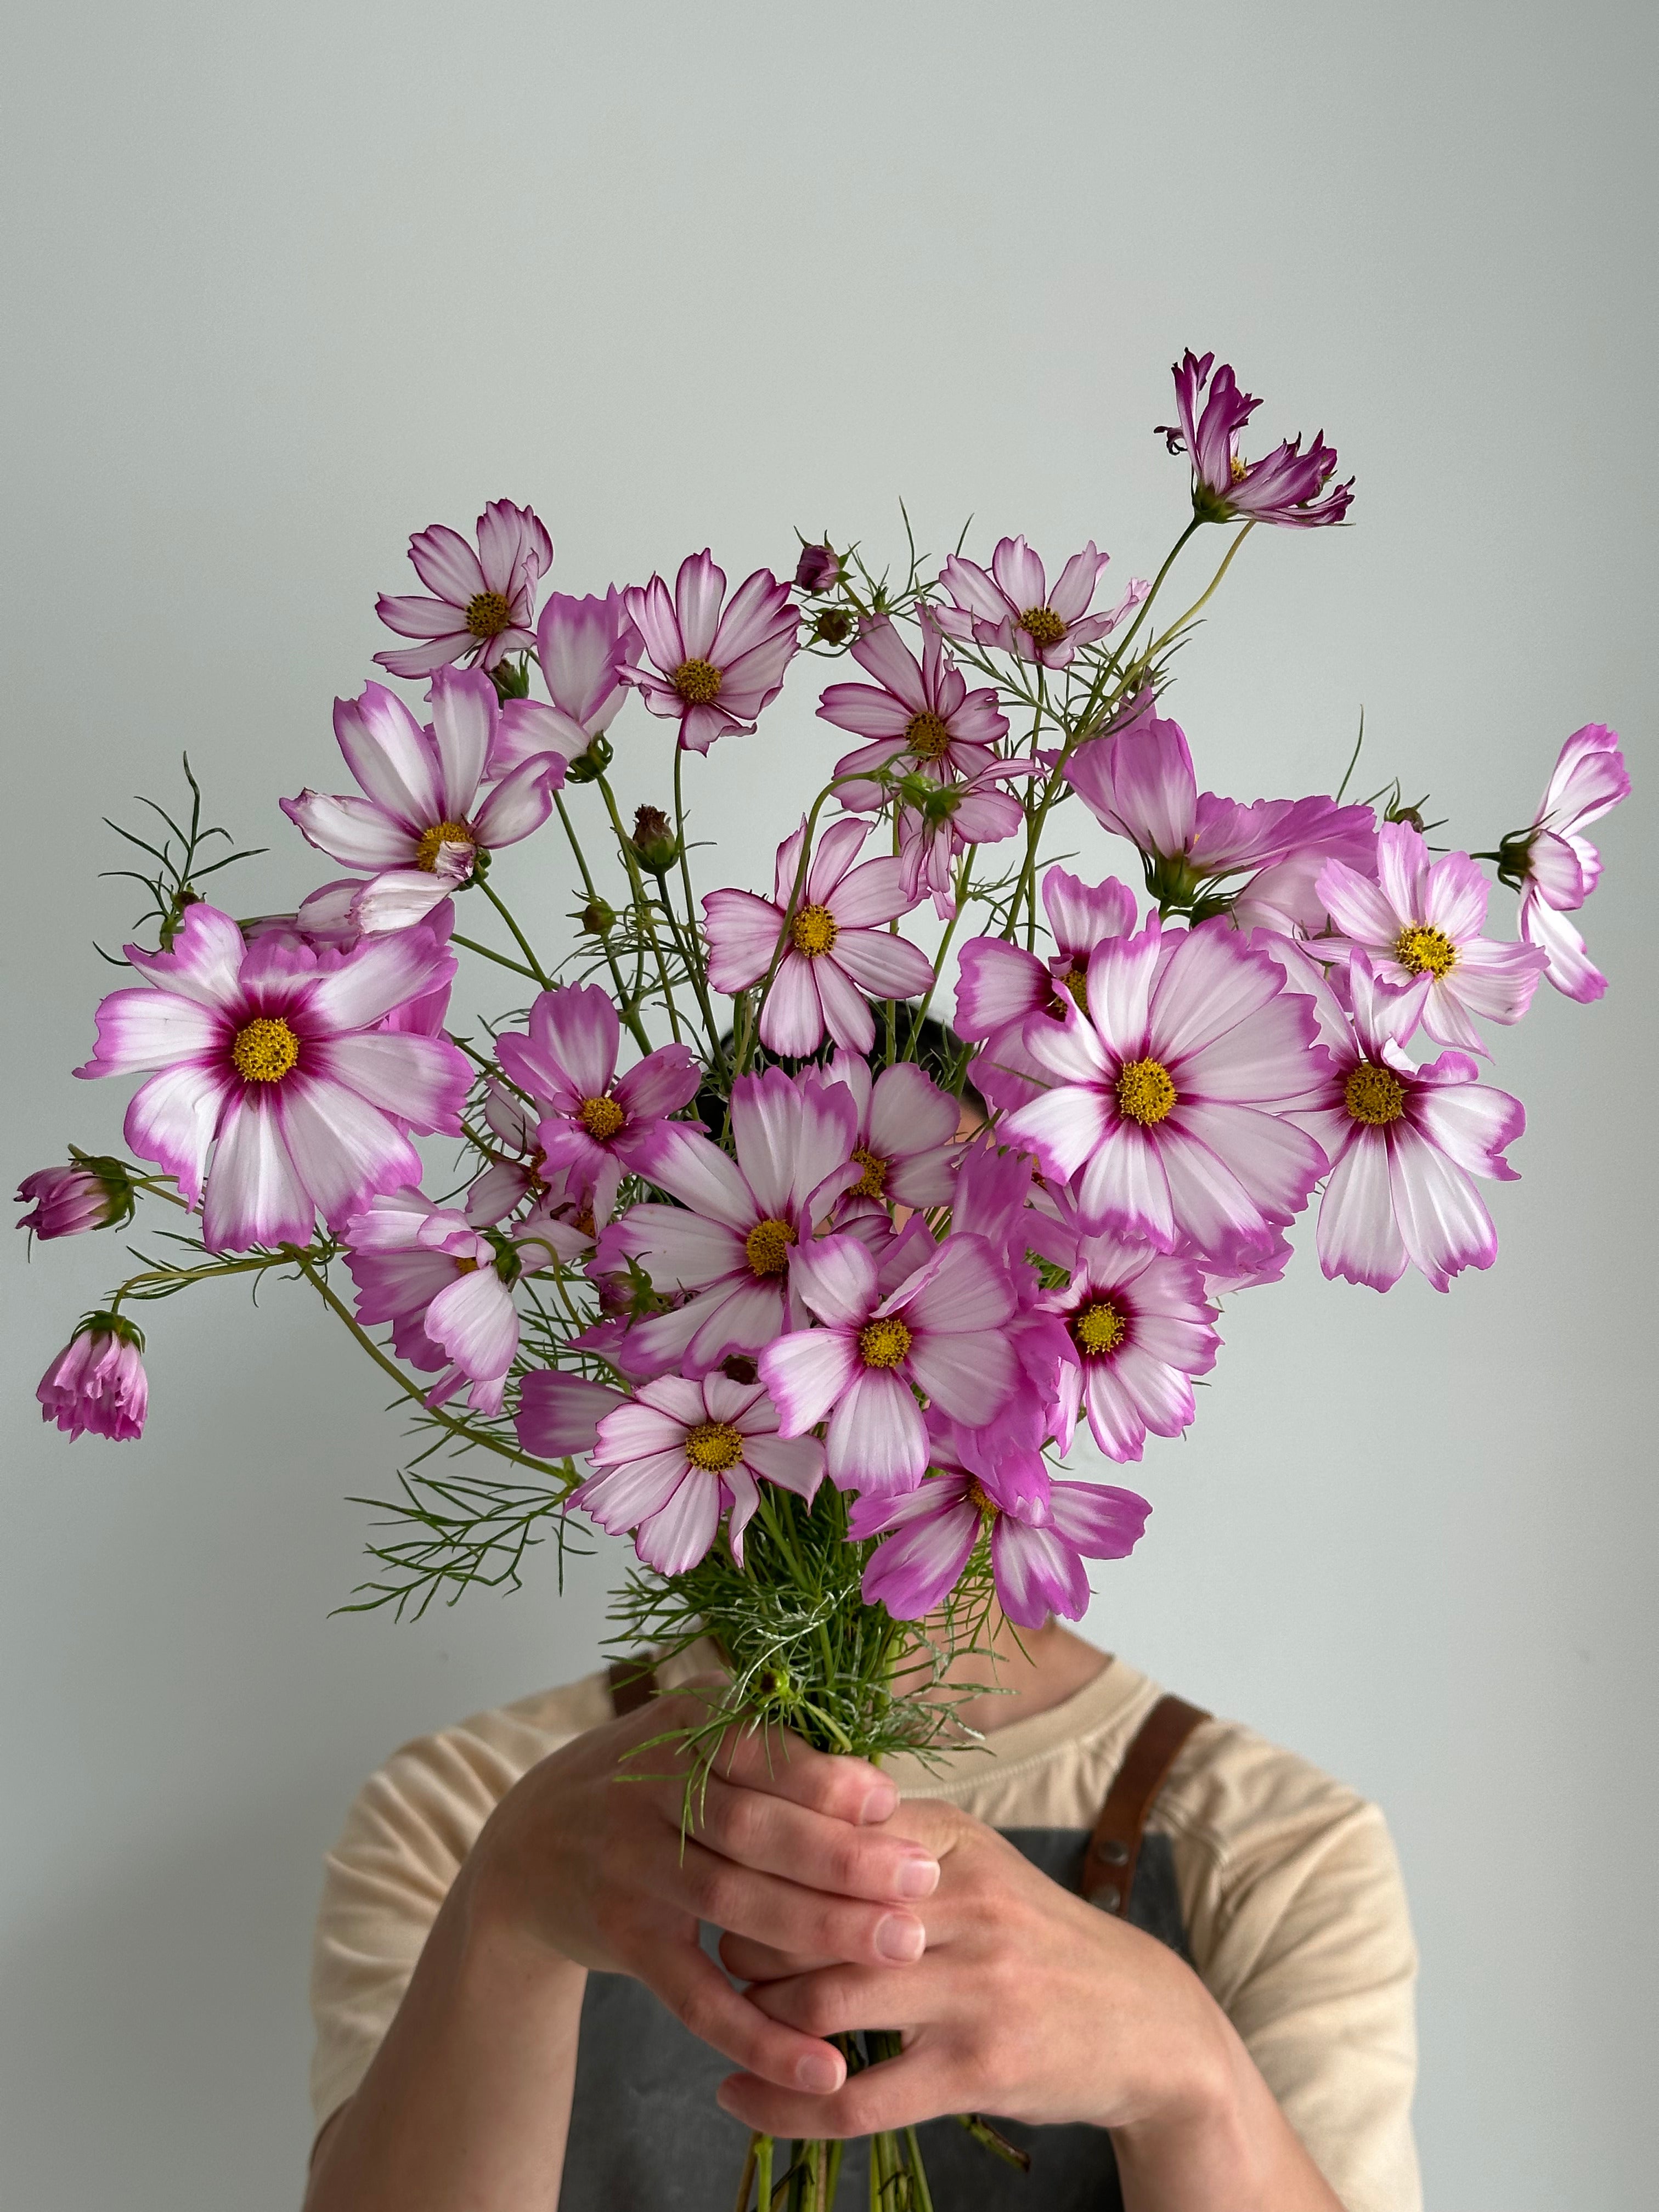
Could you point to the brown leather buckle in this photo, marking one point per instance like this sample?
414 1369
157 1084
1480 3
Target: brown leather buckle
1108 1865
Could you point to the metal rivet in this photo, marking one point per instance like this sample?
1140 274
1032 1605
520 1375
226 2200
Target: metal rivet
1109 1898
1114 1853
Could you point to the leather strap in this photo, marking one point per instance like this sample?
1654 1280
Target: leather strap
1109 1867
633 1684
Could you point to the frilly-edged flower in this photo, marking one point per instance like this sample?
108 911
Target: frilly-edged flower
940 1331
1553 865
485 602
595 1125
1011 607
583 648
713 672
1168 1093
421 825
1284 487
273 1066
1000 985
919 716
97 1383
1423 918
836 947
669 1463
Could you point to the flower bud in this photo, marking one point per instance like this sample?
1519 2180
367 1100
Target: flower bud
834 625
98 1382
596 919
654 839
818 570
92 1194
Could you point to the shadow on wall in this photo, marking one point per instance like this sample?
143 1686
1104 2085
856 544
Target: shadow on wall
168 2012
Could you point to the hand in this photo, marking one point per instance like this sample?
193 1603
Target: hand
1028 2002
792 1849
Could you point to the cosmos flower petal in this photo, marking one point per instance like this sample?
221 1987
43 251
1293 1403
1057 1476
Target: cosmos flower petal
175 1117
969 1377
256 1193
140 1029
559 1414
203 962
1102 1521
1358 1236
1123 1187
836 1276
877 1438
1571 970
885 966
916 1569
806 1373
792 1021
378 976
416 1079
343 1148
794 1462
1444 1222
619 1497
475 1323
1037 1573
520 803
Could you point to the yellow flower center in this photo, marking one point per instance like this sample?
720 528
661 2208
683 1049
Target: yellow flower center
1098 1329
488 615
1424 951
985 1506
713 1445
434 840
265 1049
767 1247
1374 1094
1042 626
1075 981
600 1117
872 1183
1145 1092
884 1343
925 735
1238 468
697 682
813 931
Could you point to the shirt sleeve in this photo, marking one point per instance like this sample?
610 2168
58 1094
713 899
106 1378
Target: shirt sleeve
1298 1924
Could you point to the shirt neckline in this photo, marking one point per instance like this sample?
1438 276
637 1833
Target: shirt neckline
1112 1694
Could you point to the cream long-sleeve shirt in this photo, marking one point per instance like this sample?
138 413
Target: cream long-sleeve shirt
1295 1912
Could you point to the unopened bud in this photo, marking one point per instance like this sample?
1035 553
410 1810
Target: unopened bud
512 677
832 624
818 570
596 919
654 839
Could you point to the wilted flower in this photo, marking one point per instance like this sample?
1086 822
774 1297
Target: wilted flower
714 672
1553 865
98 1383
1282 487
91 1193
1010 606
485 602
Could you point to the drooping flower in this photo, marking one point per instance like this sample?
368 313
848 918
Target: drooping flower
583 647
1404 1143
713 672
1000 985
1553 865
97 1383
485 601
940 1331
818 570
1041 1531
732 1243
1284 487
446 1287
1139 782
919 716
834 948
1140 1329
1168 1094
1011 607
1424 918
938 823
669 1464
274 1064
421 825
904 1139
67 1201
595 1123
518 1171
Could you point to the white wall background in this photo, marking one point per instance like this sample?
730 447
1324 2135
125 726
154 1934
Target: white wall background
283 283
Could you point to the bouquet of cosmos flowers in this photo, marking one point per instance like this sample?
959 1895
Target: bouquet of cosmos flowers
750 1255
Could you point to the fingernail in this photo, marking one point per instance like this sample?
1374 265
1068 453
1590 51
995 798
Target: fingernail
918 1877
821 2074
899 1936
881 1804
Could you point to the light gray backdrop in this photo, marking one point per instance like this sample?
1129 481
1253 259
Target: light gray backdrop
283 283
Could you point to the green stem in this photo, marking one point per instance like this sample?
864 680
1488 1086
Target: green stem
689 952
535 969
943 947
1159 643
642 903
626 1006
471 944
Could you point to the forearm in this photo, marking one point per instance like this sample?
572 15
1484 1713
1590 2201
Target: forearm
1223 2142
468 2101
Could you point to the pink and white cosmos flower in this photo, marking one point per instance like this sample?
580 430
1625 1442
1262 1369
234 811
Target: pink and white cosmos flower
559 1414
1424 918
934 835
1010 606
732 1244
904 1141
485 601
582 648
713 672
422 824
1284 487
1000 985
919 716
941 1332
835 947
271 1058
670 1463
1168 1093
1553 865
97 1383
1041 1531
595 1124
1140 1329
1404 1143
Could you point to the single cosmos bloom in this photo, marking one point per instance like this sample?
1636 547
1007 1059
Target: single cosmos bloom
485 602
934 833
97 1383
918 716
904 1141
1011 607
711 671
1553 865
1284 487
1140 1329
583 648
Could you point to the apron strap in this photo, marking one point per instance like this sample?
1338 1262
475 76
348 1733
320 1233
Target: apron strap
1109 1867
633 1684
